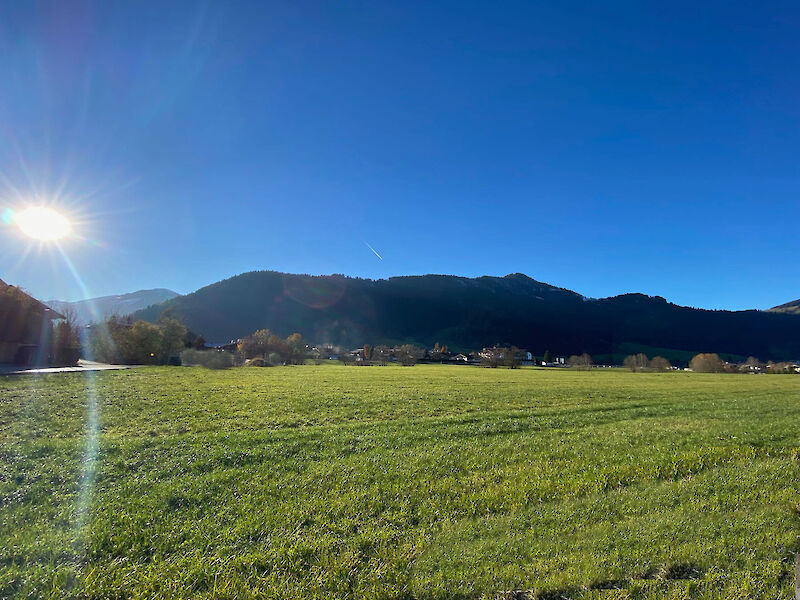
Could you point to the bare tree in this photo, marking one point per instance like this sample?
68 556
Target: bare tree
582 363
751 365
636 362
66 339
409 354
381 354
511 357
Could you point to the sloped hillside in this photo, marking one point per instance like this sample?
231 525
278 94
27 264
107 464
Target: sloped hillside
468 313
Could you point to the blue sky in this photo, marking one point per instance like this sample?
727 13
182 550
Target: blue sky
603 147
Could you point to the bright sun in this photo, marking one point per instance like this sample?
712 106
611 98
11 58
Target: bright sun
42 223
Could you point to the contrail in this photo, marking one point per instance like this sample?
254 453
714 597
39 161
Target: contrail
375 251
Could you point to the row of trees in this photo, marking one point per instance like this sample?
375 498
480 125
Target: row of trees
164 342
406 354
712 363
708 362
640 363
779 368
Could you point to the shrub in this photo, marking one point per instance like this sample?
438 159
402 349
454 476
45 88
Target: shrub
659 363
210 359
707 363
256 362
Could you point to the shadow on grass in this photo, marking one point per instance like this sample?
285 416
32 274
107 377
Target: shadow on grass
677 572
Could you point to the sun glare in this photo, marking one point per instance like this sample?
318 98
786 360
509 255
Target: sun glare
42 223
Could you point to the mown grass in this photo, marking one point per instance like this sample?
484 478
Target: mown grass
390 482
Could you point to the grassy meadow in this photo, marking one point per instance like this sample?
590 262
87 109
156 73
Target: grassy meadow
389 482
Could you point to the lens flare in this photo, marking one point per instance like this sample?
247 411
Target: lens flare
89 464
42 223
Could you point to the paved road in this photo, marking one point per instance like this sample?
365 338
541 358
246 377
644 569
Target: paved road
83 365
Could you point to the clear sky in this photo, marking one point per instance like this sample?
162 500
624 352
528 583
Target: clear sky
606 147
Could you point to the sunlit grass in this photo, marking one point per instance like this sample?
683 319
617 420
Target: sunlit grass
390 482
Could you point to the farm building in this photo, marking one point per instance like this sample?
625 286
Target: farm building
26 327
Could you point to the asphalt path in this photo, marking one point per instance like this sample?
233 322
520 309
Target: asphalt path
83 365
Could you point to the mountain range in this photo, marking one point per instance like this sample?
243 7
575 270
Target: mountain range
470 313
99 309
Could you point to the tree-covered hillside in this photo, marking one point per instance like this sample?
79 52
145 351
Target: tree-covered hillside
467 313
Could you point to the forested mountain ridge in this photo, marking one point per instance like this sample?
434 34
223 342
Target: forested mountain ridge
469 313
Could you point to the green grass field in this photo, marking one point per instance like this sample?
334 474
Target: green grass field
391 482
